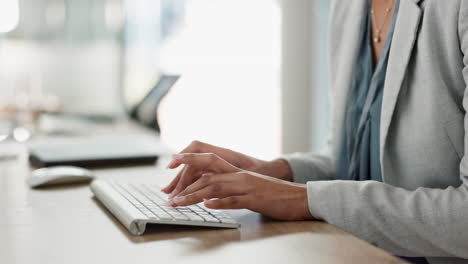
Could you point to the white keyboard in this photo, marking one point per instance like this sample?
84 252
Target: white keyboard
136 204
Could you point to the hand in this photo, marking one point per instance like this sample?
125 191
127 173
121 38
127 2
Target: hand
189 174
229 187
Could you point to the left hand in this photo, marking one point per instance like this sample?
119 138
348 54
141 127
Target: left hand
233 188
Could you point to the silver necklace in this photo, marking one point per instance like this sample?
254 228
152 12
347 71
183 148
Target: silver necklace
377 38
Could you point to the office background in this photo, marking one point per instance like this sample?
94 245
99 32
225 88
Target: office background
254 73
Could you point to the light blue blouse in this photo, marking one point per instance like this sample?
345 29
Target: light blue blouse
359 157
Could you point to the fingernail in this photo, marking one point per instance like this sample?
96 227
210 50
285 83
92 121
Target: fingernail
178 156
207 202
177 200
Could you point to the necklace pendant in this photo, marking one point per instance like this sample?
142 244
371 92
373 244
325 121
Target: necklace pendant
376 39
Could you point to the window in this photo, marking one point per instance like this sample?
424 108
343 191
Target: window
100 55
228 53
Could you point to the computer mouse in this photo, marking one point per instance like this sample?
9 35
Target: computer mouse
58 175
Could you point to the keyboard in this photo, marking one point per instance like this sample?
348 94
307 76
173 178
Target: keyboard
138 204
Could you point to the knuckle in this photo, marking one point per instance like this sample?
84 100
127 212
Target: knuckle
215 188
196 144
205 178
234 201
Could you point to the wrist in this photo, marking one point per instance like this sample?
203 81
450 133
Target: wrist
280 169
298 202
303 204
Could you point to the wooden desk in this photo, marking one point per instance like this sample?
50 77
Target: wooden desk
67 225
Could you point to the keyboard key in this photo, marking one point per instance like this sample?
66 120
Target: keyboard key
165 217
189 213
204 214
195 218
180 217
184 210
228 221
154 217
211 219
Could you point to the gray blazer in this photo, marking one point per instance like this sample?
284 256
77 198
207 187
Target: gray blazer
421 209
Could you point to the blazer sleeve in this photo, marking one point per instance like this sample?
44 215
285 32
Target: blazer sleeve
424 222
311 166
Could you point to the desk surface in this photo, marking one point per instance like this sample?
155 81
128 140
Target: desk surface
65 224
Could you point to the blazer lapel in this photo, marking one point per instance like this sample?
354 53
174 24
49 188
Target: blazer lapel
404 39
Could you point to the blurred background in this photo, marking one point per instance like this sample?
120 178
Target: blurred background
253 73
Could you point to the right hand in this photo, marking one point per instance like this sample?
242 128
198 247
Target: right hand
189 174
233 188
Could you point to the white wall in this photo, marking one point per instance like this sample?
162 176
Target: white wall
320 119
305 113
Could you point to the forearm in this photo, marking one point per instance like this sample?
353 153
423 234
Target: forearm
278 168
297 167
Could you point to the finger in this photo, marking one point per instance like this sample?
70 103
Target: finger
187 178
217 190
170 187
209 179
179 175
208 161
201 147
194 147
232 202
